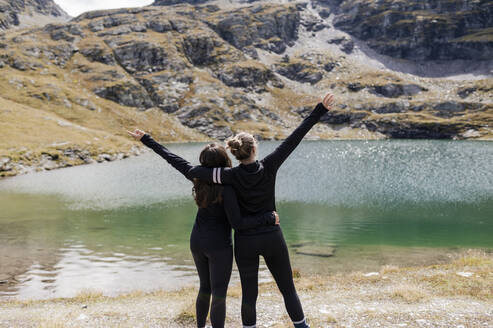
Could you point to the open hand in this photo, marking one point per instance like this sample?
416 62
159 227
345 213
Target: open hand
277 218
328 101
137 134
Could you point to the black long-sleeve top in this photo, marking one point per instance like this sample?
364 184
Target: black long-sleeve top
255 183
212 227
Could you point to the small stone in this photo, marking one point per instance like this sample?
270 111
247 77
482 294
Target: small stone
371 274
465 274
83 317
84 306
471 134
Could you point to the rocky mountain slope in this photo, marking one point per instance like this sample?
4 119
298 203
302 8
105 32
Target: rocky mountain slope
24 13
195 72
420 30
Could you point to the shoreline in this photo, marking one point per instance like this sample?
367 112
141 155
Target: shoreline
455 294
77 157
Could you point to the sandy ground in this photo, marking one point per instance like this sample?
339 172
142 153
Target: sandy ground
457 294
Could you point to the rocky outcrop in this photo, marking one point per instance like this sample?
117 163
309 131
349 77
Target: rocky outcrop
209 49
344 43
300 71
98 53
267 27
420 30
167 89
417 130
20 13
393 90
175 2
389 90
194 117
126 94
141 57
248 75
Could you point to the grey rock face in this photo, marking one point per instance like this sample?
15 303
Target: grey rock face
160 25
421 30
300 71
175 2
167 89
335 116
198 49
11 10
245 76
126 94
448 109
260 27
98 54
415 130
194 117
143 57
393 90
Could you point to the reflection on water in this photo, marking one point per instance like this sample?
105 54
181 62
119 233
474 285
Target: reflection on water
123 226
79 269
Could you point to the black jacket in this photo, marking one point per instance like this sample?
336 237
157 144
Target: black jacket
255 183
212 228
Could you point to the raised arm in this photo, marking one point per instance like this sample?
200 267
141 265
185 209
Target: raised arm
182 165
216 175
238 222
282 152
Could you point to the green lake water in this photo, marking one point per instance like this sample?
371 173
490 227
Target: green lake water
122 226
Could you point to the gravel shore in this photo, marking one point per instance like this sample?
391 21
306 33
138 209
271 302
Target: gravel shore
457 294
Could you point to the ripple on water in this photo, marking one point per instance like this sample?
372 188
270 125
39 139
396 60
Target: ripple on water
122 226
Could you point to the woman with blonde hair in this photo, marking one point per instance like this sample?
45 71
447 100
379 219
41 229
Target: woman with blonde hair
254 183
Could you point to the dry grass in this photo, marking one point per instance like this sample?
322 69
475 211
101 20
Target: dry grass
408 292
339 300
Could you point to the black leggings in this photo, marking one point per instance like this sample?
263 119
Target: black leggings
272 247
214 268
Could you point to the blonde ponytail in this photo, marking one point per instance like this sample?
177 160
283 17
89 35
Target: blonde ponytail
241 145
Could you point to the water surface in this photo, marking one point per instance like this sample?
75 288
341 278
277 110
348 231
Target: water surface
123 226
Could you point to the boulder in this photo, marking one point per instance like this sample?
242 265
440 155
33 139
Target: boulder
344 43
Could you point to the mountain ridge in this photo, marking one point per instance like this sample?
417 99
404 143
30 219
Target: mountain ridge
26 13
195 73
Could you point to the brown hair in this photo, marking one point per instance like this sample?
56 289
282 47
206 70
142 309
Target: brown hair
206 193
241 145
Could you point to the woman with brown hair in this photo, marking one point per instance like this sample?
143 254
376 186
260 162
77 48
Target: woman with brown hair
254 182
210 241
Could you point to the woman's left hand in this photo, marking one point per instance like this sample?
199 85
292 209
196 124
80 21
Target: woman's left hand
137 134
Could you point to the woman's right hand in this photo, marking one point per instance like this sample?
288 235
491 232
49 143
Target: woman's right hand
277 218
328 101
137 134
